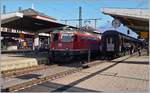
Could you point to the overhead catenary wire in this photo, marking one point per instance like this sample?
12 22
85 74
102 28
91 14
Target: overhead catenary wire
94 19
61 12
93 8
141 4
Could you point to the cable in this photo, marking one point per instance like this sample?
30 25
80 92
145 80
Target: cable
60 11
91 6
141 4
57 10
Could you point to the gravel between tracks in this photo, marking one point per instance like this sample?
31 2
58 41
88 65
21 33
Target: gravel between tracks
8 82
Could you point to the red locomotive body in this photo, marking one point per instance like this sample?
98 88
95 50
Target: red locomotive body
67 45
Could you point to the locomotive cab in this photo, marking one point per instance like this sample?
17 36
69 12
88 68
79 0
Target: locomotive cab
62 45
62 40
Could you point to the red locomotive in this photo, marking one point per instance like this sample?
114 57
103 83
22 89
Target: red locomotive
68 45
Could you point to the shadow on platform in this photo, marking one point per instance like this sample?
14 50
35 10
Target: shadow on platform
50 86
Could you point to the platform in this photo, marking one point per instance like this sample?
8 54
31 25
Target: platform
129 75
22 60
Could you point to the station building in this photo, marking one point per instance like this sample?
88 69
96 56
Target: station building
19 34
17 40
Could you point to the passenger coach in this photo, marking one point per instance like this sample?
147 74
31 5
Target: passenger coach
115 44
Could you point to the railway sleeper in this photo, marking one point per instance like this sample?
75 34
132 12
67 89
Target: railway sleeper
16 87
20 69
23 71
47 78
42 79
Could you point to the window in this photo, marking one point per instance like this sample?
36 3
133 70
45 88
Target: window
67 37
110 40
89 38
75 37
55 37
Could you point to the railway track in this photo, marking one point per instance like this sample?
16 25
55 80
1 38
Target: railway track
39 80
26 70
22 71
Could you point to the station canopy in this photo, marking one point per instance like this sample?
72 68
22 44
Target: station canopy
30 20
135 19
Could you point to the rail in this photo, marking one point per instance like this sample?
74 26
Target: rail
46 78
22 71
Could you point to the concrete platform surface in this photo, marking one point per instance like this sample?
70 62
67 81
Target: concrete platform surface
15 61
131 75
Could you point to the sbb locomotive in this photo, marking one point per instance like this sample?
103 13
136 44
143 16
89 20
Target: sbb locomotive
67 45
115 44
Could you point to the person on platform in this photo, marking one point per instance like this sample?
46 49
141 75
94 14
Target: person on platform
123 50
131 49
139 50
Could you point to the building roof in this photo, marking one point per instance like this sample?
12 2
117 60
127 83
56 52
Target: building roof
91 29
135 19
32 12
30 20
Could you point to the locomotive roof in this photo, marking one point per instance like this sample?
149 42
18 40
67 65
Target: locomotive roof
91 30
117 32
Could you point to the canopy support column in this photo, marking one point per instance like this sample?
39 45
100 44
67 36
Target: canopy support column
36 42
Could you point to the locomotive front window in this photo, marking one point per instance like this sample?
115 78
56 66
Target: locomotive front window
67 37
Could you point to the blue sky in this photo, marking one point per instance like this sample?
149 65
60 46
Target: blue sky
68 9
